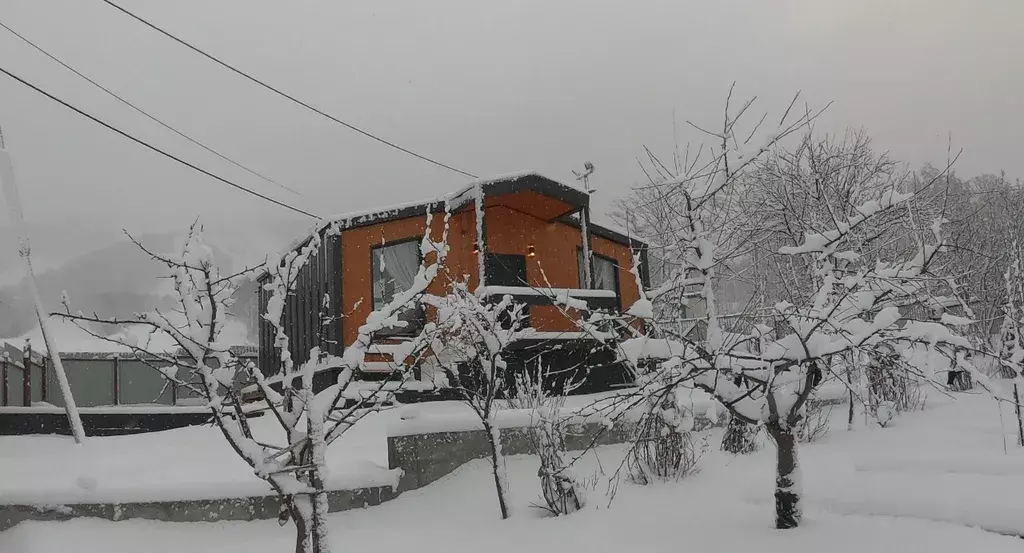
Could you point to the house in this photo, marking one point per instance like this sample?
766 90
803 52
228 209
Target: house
528 243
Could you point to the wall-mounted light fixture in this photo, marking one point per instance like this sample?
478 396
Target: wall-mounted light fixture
531 251
476 247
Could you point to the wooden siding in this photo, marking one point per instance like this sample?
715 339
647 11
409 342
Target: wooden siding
509 231
343 269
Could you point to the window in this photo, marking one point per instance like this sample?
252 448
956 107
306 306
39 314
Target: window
605 271
503 269
394 268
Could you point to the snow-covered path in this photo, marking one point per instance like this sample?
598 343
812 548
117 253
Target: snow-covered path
916 486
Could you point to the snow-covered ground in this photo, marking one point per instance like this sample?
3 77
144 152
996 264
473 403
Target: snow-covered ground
919 485
192 462
196 462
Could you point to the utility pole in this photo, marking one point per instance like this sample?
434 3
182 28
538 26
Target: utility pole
10 189
588 265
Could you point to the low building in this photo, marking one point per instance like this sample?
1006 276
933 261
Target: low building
519 234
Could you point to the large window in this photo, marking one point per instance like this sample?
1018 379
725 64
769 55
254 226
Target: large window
394 269
502 269
605 271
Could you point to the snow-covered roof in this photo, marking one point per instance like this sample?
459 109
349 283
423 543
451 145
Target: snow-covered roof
508 183
499 184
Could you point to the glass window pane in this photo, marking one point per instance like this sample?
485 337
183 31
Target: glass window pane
505 269
604 271
394 268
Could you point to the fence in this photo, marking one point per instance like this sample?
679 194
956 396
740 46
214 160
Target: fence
96 379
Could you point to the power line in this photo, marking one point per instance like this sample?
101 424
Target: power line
151 147
289 97
143 112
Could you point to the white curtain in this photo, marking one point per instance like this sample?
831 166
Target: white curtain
394 269
604 274
402 261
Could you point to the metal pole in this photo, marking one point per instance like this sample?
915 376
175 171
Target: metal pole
10 189
588 263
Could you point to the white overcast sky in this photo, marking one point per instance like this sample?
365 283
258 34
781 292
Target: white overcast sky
487 86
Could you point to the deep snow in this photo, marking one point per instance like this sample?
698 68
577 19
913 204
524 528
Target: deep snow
915 486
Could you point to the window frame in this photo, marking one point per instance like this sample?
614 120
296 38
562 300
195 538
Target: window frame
612 260
420 318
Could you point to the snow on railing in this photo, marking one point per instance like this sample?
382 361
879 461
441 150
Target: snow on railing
546 292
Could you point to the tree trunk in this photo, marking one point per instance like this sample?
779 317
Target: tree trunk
303 542
497 466
787 478
320 509
849 417
1020 422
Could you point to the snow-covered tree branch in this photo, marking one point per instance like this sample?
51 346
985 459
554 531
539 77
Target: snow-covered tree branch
845 285
294 465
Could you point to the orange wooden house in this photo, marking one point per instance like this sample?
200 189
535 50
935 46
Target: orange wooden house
528 243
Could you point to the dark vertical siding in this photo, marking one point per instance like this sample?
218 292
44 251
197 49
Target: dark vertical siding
333 280
269 359
301 317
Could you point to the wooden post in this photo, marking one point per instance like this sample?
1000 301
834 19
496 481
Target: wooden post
588 259
3 374
481 237
26 363
1020 422
44 395
117 380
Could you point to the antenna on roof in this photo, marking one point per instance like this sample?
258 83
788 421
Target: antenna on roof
588 169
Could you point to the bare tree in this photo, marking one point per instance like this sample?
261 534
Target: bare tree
468 343
309 421
1011 350
779 347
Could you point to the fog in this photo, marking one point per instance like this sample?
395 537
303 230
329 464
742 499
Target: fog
483 86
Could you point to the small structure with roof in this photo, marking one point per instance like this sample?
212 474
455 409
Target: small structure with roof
521 234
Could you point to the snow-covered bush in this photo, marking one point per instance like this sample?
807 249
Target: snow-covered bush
561 492
814 421
665 447
740 438
892 386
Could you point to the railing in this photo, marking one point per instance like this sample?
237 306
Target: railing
594 299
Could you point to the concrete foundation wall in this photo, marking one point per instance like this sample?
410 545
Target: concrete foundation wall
423 458
207 510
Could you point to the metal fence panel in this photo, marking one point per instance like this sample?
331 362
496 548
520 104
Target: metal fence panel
15 386
91 381
138 383
37 383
